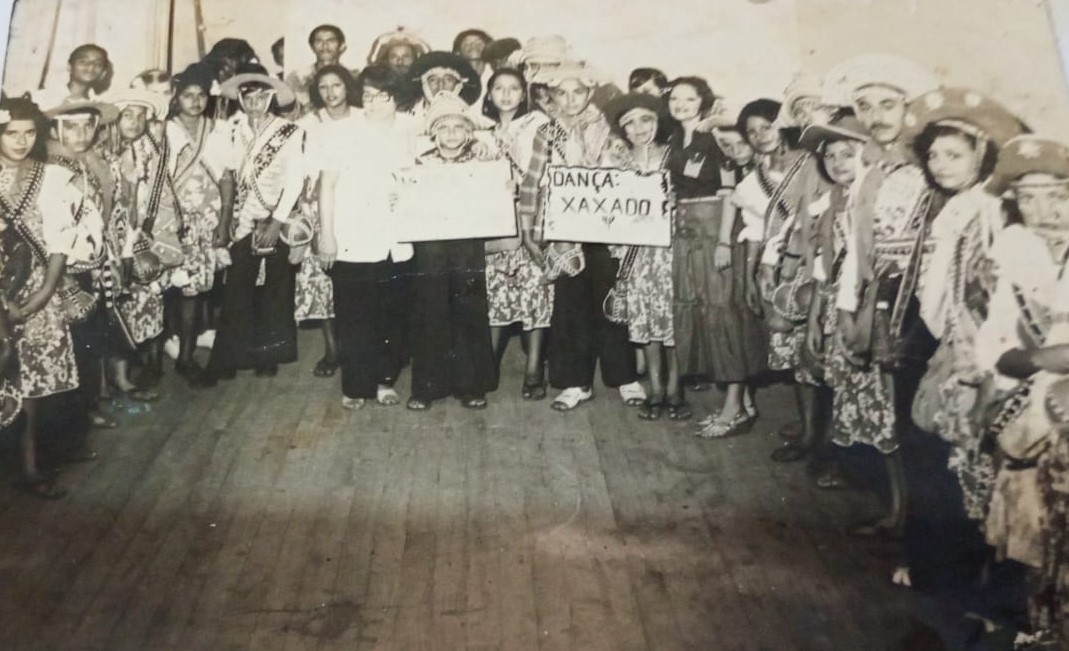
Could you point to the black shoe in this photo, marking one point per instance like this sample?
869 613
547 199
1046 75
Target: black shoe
267 371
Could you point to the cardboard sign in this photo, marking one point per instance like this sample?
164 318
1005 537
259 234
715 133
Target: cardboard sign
471 200
610 206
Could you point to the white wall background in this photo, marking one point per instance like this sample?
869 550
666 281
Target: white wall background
746 48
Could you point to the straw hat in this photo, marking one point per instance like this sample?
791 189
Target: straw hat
446 105
107 111
844 80
577 70
155 103
255 73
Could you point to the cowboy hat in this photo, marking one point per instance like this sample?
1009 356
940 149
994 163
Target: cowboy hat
1028 154
846 127
964 109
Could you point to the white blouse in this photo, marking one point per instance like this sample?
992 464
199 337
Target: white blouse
1022 260
367 155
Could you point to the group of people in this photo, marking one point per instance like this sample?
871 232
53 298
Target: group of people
893 249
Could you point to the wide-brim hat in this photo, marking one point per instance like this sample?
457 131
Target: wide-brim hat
618 107
446 105
1028 154
107 112
846 127
908 77
398 37
580 71
255 73
542 50
963 109
155 103
472 84
803 84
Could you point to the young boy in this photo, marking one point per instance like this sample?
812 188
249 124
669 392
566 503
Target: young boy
451 349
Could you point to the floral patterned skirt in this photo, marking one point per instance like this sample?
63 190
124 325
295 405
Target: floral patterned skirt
863 409
314 297
649 297
44 348
516 290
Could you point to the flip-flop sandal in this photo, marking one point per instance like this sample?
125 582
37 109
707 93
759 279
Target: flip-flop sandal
387 397
324 368
473 402
415 404
44 488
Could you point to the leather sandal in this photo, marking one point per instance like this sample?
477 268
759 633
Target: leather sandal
679 410
325 368
651 409
473 402
742 423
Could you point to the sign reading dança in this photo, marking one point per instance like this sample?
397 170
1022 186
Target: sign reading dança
452 202
610 206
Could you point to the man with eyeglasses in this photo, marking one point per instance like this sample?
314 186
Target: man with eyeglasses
256 327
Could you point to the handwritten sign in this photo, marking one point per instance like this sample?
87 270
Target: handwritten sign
610 206
471 200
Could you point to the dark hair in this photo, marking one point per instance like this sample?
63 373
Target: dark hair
532 91
153 76
640 76
340 35
490 109
346 77
923 143
379 76
759 108
700 86
103 83
500 48
278 46
24 108
233 49
660 137
486 39
831 140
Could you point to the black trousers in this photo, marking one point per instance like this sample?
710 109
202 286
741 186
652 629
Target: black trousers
450 335
370 319
582 335
256 325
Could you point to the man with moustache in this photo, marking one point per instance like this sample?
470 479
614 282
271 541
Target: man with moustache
890 213
328 44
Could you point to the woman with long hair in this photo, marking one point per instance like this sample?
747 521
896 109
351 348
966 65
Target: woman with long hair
38 201
516 284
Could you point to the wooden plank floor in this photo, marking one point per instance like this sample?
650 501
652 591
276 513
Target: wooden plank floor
262 516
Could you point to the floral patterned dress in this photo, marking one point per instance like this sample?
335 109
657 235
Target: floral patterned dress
650 306
863 406
139 306
314 294
43 343
516 288
196 164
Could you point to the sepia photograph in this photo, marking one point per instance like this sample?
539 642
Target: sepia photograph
735 325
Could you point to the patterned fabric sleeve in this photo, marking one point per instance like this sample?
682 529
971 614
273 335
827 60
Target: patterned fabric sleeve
58 201
528 204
